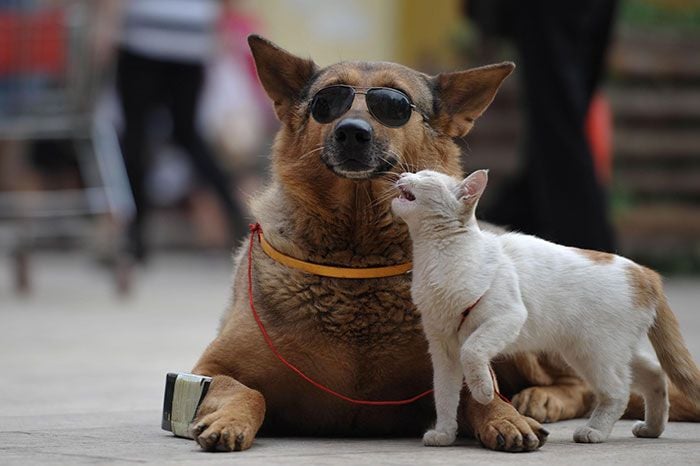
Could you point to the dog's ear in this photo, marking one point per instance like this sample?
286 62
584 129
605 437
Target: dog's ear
463 96
283 75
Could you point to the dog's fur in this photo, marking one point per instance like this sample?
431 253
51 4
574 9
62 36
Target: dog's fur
359 337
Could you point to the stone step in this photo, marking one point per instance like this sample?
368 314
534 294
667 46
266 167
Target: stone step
660 144
661 219
666 236
640 54
659 181
654 104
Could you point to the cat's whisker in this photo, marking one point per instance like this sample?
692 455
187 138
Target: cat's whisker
385 196
403 164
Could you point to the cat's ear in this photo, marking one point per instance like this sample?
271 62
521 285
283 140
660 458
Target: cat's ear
473 187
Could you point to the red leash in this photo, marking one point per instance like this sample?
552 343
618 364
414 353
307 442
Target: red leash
255 231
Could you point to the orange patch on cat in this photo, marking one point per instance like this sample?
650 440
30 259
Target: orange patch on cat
598 257
646 285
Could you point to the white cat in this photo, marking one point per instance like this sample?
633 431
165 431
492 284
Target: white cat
523 293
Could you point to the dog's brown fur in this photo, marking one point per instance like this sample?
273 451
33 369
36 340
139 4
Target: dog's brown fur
360 337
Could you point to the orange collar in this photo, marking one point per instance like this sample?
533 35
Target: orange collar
327 270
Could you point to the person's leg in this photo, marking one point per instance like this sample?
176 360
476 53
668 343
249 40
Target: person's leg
184 91
595 40
138 88
559 189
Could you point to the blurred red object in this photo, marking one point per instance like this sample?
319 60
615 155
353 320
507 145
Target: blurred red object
235 26
599 127
32 42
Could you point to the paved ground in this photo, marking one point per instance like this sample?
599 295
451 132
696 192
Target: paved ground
83 372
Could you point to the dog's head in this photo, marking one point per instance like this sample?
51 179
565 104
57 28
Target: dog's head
368 139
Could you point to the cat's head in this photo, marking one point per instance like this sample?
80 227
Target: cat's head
430 196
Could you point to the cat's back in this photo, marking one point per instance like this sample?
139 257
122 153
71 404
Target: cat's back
549 269
571 294
524 249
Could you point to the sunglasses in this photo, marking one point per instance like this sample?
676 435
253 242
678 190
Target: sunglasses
390 107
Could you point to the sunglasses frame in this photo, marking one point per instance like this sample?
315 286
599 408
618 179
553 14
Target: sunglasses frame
363 91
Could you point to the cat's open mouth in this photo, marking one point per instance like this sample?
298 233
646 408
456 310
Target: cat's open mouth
406 194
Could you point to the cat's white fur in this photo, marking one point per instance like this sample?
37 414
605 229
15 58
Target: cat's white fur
533 295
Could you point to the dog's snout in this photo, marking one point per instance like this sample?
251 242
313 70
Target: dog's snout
353 133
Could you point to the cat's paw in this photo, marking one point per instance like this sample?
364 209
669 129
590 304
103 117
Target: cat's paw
482 391
643 430
439 438
586 434
479 381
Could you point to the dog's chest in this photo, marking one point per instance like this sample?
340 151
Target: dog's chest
365 311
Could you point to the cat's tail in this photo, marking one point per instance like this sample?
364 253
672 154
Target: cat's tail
675 359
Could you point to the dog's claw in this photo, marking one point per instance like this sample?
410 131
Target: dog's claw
531 442
239 442
500 441
197 430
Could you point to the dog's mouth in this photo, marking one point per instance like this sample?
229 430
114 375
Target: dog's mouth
354 170
358 165
406 194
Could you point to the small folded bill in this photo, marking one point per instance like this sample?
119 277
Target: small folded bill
183 395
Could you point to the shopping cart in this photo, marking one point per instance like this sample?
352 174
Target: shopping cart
48 89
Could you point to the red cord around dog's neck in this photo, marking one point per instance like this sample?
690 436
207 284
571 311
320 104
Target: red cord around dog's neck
255 231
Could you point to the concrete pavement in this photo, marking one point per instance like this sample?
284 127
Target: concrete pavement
82 375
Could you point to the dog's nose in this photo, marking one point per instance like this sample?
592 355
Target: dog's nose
353 133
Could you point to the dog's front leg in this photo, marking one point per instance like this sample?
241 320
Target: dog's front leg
229 416
499 426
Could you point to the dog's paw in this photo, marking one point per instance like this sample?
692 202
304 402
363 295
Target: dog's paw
539 403
221 431
439 438
586 434
513 434
229 417
643 430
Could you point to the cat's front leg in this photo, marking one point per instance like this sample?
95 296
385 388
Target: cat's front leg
478 377
447 383
488 340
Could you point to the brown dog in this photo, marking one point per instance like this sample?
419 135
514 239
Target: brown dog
329 203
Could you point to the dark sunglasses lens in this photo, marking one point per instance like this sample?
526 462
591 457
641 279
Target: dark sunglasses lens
331 102
389 106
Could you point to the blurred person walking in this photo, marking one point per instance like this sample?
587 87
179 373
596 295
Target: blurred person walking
164 46
562 48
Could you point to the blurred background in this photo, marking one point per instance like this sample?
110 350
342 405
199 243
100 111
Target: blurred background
133 133
133 130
